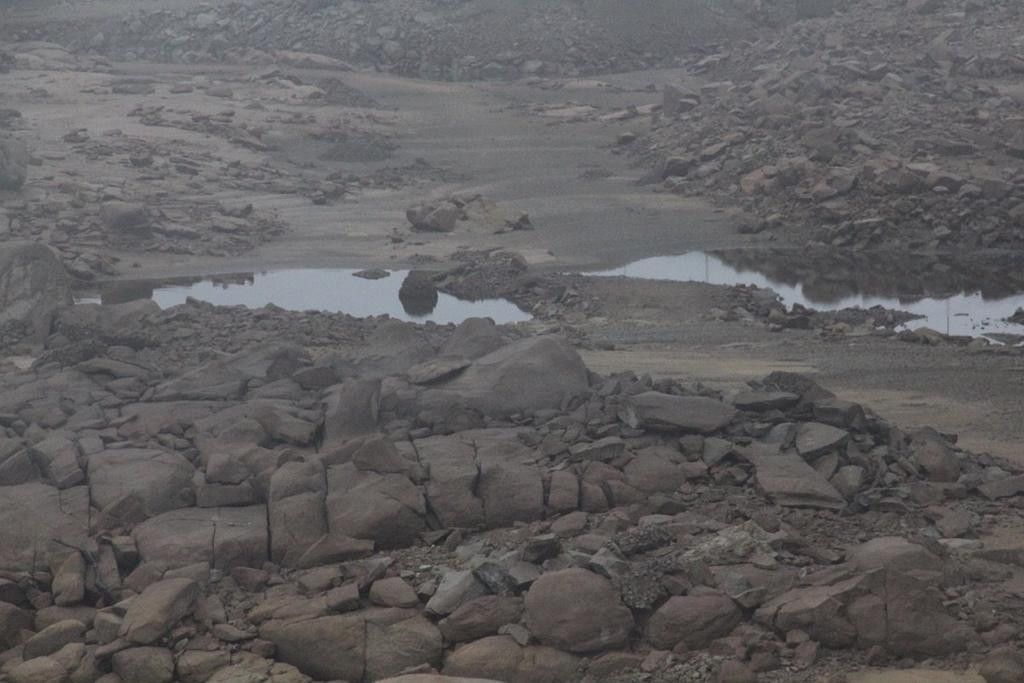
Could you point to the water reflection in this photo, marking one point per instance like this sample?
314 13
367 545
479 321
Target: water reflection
954 296
333 290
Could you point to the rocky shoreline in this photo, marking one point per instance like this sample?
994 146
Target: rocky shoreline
211 494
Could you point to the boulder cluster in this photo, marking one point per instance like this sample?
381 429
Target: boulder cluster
887 124
218 494
451 40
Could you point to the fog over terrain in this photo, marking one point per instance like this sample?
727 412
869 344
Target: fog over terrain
517 341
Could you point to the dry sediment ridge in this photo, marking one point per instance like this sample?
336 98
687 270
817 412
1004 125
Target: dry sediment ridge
209 493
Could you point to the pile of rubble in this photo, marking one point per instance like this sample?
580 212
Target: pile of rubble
460 40
888 124
211 494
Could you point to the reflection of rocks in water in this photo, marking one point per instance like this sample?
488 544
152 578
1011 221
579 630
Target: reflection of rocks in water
123 292
225 281
828 276
418 293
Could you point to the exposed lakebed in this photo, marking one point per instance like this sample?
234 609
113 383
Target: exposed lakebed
956 297
335 290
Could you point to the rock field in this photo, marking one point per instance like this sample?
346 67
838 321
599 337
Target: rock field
215 494
225 494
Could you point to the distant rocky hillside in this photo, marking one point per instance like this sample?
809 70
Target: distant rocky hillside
437 39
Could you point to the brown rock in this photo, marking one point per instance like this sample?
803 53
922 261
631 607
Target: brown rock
158 609
692 621
734 671
144 665
790 481
297 513
160 479
39 670
301 643
13 621
393 592
892 552
666 412
222 537
396 642
53 638
578 611
502 659
935 456
481 617
69 581
1005 665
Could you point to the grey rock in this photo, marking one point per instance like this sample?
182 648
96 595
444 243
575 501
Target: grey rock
14 159
33 286
665 412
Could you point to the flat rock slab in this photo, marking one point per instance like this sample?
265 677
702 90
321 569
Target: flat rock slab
666 412
31 515
149 419
765 400
792 482
437 370
814 439
224 537
527 375
1003 488
162 480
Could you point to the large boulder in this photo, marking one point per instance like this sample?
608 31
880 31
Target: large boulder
126 217
144 665
502 659
33 514
667 412
158 609
790 481
385 508
527 375
297 514
397 641
13 621
161 480
577 611
326 648
473 338
451 491
13 163
892 552
390 349
435 678
33 285
693 621
481 617
350 411
228 378
418 293
883 607
223 537
510 484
